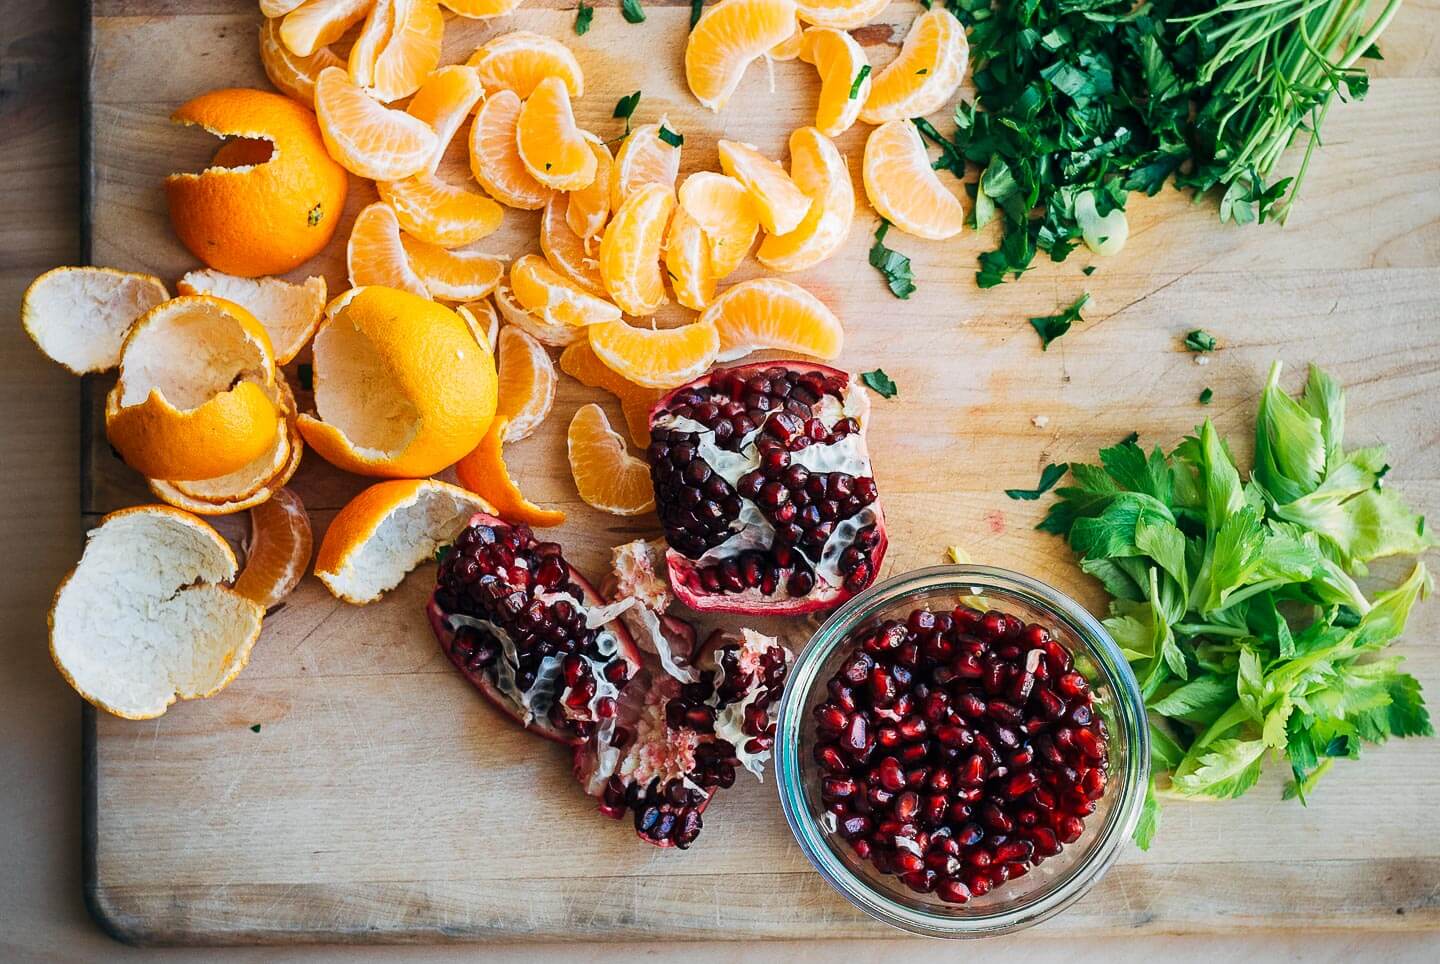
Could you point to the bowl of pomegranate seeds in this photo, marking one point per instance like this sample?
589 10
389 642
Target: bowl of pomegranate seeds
962 751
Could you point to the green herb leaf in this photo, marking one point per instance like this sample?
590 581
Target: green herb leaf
860 76
254 727
632 11
880 383
1088 270
670 137
584 13
1205 395
1049 475
1050 327
305 375
892 265
1200 340
697 8
441 552
625 106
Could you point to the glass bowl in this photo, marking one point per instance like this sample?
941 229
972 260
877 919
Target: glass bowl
1046 889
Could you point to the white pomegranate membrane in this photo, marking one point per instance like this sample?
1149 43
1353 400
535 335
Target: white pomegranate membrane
764 485
657 727
958 750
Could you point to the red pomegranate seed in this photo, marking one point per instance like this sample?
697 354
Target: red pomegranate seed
953 891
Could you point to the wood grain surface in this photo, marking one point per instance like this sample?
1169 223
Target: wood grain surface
383 800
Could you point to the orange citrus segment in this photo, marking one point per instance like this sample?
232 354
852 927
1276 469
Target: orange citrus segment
839 60
547 333
483 472
565 250
387 530
279 549
588 209
401 388
904 188
773 313
662 358
553 149
481 9
630 250
452 275
527 383
519 60
643 159
315 23
440 213
925 74
687 261
289 312
580 362
293 75
789 48
606 475
842 14
444 100
543 292
375 254
79 316
821 172
480 317
412 51
727 37
495 156
374 33
780 205
365 136
726 213
278 8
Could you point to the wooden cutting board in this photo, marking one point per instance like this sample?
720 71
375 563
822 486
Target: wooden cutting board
382 799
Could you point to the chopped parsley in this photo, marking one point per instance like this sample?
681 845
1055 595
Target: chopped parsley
880 383
1049 475
255 728
670 137
1088 270
584 13
442 551
697 7
892 265
632 11
625 107
305 374
860 76
1050 327
1200 340
1206 395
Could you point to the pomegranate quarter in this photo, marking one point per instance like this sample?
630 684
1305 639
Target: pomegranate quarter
764 487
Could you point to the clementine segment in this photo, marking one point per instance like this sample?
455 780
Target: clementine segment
293 75
663 358
841 14
315 23
553 149
779 203
726 213
727 38
904 188
580 362
444 100
687 261
495 154
566 251
606 475
375 254
839 60
279 549
630 250
643 159
452 275
519 60
542 291
925 74
587 209
819 170
440 213
773 313
365 136
527 383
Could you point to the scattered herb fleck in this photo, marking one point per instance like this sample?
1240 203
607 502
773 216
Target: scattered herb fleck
880 383
305 374
1200 340
1206 395
697 7
625 107
1088 270
670 137
315 215
1051 327
894 266
632 11
584 13
922 71
1051 474
860 76
255 728
1130 439
442 551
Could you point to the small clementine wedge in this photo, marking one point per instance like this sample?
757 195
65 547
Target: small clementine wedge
376 255
519 60
789 48
444 100
727 38
566 251
401 388
587 209
483 472
293 75
481 9
315 23
840 61
278 8
495 155
279 549
904 188
656 358
644 158
841 14
387 530
289 312
580 362
779 203
440 213
773 313
452 275
542 291
925 74
554 150
527 383
79 316
412 50
687 261
630 250
821 172
271 212
483 321
606 475
726 213
555 335
365 136
374 32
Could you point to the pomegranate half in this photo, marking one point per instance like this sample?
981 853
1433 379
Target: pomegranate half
763 483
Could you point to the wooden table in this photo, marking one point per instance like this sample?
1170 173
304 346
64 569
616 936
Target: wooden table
383 800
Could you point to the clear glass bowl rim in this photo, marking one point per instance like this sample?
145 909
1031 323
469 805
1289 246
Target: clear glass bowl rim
1129 715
